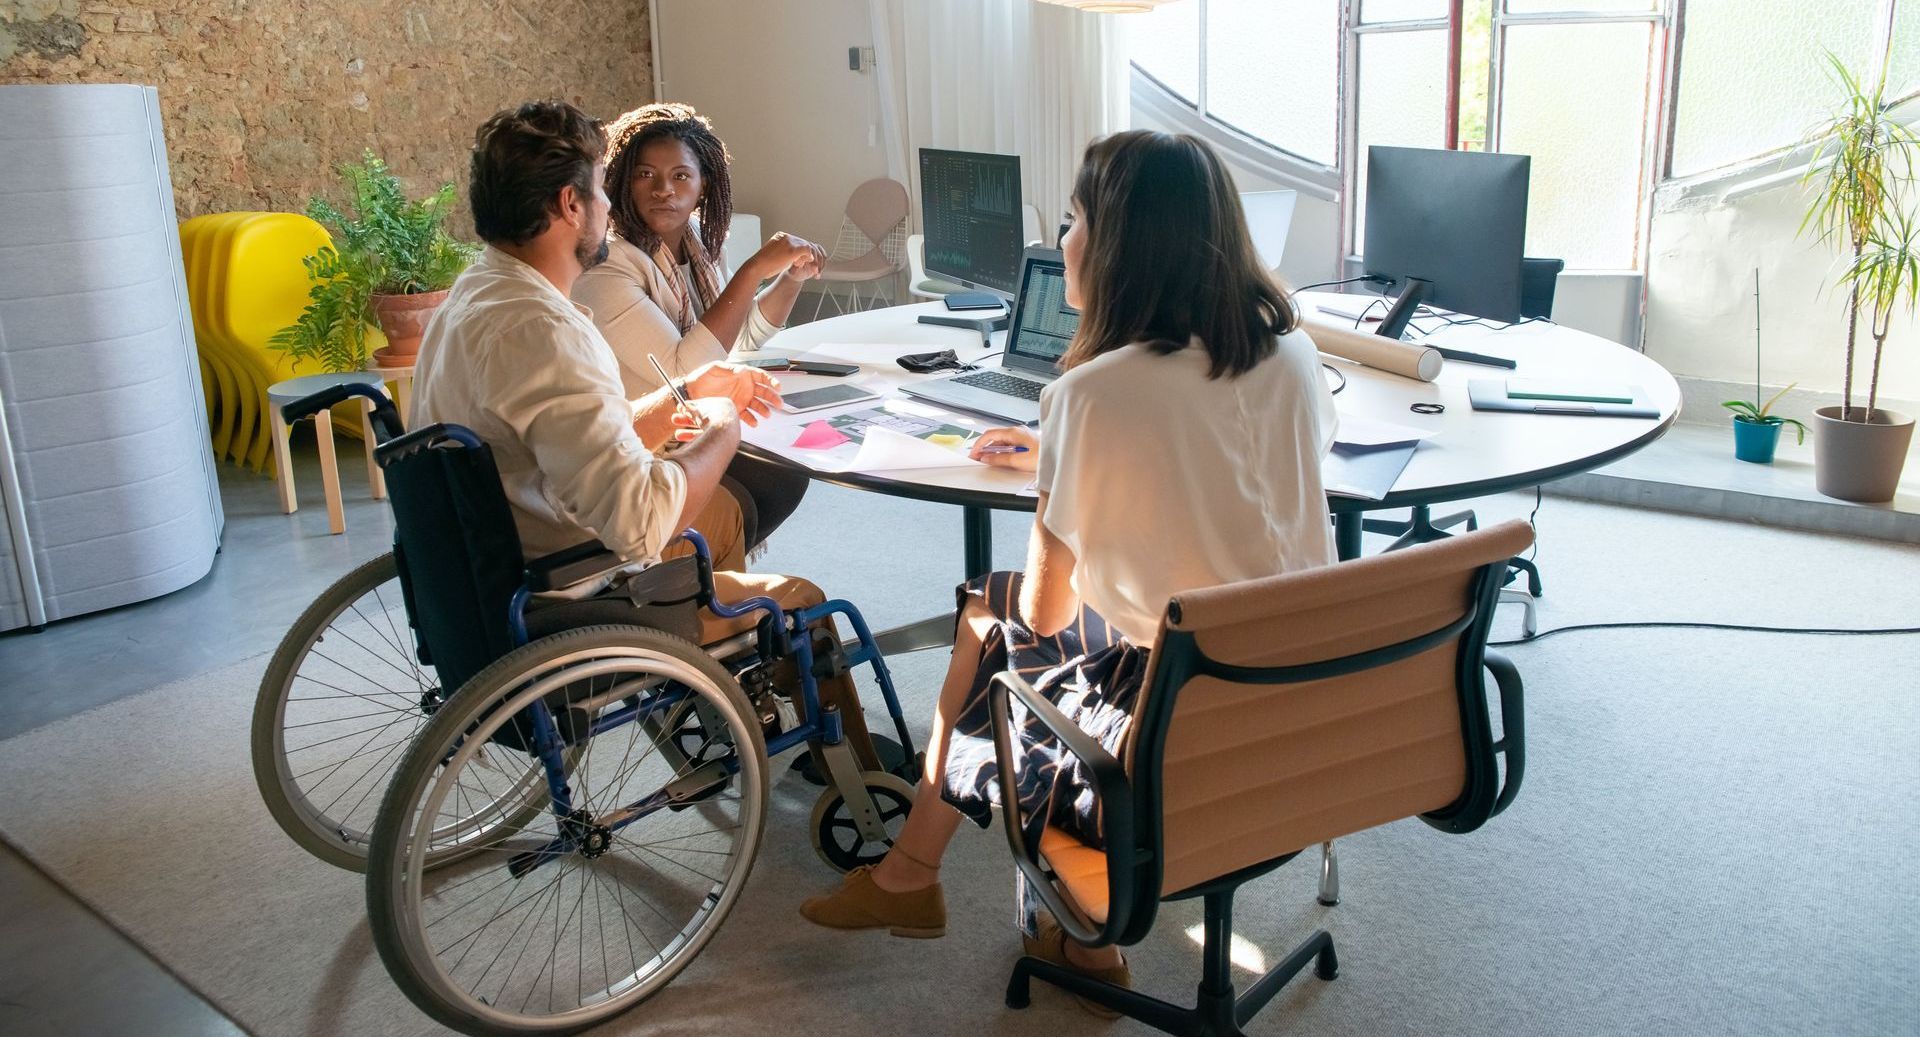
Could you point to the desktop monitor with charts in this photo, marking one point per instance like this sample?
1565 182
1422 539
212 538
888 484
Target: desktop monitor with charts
1454 219
1043 324
970 211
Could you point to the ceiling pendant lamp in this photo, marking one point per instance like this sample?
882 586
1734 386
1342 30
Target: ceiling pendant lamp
1110 6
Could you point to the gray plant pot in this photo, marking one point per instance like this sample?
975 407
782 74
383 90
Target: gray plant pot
1857 460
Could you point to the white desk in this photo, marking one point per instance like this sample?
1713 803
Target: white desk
1472 453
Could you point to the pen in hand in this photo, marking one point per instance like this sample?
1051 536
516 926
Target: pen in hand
1003 448
680 399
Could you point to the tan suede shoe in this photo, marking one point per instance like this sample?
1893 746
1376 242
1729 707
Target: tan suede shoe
920 914
1051 945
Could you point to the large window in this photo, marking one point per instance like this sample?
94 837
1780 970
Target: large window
1269 69
1753 73
1593 90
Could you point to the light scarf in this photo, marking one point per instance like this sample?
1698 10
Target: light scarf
706 276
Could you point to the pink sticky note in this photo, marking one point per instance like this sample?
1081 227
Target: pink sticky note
819 435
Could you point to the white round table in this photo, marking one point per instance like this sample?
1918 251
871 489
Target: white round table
1471 453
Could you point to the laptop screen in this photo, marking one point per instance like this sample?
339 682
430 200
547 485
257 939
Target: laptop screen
1042 323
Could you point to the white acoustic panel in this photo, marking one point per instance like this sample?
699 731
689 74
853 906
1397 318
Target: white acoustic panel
105 465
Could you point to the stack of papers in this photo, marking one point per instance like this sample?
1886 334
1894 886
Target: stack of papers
1368 456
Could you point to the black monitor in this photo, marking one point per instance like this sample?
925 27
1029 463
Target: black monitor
1455 219
970 210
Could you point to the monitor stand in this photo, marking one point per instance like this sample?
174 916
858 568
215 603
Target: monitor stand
1413 290
983 325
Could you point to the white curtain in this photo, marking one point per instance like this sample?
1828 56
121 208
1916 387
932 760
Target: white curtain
1006 76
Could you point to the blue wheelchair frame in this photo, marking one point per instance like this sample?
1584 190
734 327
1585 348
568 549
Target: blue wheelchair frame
775 641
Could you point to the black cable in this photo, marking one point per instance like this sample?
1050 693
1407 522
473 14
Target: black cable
1357 321
1337 373
1676 625
1331 284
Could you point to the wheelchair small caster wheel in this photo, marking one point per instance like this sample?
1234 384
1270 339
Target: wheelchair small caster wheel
837 838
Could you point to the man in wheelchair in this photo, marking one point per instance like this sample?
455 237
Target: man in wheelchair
512 358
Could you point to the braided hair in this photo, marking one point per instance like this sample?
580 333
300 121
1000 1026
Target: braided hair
631 133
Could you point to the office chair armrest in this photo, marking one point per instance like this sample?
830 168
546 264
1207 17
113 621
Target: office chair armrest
1110 784
1513 726
572 565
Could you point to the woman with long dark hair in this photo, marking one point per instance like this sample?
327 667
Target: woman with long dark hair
1180 449
664 289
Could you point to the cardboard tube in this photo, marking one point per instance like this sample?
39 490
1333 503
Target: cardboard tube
1405 359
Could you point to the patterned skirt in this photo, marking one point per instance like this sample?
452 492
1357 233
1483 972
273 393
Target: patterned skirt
1092 673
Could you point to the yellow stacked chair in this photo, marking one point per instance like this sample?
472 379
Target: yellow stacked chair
246 281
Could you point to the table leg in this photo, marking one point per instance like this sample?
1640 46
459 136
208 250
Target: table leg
403 397
937 631
375 478
977 531
329 472
1346 535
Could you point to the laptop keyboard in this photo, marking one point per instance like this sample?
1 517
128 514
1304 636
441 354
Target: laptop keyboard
1004 384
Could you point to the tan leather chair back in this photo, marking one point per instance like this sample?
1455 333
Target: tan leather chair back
1252 772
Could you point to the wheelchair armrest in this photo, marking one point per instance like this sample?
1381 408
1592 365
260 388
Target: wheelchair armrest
386 420
1513 726
570 566
1110 784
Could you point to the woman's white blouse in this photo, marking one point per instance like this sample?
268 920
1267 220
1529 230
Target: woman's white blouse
1162 480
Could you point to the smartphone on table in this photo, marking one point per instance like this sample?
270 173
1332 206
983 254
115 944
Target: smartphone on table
781 363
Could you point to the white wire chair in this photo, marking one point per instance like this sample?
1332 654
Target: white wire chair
871 248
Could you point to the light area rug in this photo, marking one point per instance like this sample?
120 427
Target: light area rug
1717 836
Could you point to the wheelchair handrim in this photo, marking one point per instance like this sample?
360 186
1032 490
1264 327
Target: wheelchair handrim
645 978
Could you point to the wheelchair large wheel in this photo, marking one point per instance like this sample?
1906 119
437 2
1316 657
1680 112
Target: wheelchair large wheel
341 699
586 909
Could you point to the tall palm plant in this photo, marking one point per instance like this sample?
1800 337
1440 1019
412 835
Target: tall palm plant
1884 274
1860 163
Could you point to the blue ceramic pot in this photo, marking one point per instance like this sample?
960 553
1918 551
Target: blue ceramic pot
1754 440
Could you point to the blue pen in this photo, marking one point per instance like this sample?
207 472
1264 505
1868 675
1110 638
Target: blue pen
1003 448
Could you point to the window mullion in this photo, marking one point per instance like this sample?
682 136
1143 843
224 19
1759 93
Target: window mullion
1200 91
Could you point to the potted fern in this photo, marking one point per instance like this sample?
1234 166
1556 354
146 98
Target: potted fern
393 264
1861 172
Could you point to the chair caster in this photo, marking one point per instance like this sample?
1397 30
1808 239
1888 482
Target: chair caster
836 834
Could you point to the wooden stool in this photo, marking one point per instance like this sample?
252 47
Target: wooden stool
280 394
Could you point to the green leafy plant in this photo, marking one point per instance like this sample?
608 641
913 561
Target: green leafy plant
405 244
1884 276
1860 167
332 330
1762 413
386 245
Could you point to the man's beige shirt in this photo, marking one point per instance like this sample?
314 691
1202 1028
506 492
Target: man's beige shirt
520 364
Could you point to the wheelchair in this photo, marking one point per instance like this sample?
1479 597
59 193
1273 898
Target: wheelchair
556 803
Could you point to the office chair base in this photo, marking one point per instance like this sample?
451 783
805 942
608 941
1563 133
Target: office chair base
1218 1012
1529 622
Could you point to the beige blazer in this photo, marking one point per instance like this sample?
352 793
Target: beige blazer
637 311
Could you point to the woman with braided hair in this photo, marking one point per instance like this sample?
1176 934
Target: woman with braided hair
664 289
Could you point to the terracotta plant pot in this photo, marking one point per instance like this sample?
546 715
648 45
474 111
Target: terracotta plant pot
1860 460
403 318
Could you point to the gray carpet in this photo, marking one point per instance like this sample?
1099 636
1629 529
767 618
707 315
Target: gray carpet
1717 835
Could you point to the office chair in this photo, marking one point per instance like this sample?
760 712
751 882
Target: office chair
1538 279
1280 713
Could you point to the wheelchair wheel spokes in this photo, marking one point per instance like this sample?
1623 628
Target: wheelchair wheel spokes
574 913
341 700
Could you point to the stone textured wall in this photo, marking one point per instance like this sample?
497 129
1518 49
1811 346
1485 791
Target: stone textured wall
262 97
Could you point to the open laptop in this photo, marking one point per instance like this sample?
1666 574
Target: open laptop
1037 335
1269 217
